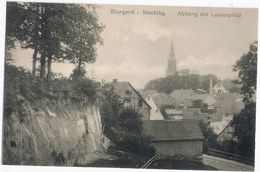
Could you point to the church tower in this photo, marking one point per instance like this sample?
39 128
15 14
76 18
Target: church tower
171 66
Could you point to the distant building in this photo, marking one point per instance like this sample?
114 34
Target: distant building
161 106
175 138
155 112
219 126
131 98
219 88
172 63
184 97
227 133
184 72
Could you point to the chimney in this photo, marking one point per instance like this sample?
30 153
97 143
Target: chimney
115 80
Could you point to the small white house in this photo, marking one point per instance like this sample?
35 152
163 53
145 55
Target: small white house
219 88
155 113
162 106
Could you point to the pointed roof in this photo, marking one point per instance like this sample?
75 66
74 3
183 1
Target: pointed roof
172 49
119 88
162 99
182 94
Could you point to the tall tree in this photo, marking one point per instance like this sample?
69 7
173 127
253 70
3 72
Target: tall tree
15 16
244 122
58 32
86 34
246 67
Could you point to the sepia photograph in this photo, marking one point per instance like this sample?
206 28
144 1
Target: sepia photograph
129 86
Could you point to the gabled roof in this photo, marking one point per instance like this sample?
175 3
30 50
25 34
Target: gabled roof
120 87
182 94
228 103
147 92
161 130
162 99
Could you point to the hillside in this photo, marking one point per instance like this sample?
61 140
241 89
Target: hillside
170 83
47 125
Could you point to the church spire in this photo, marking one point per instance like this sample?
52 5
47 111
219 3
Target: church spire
172 66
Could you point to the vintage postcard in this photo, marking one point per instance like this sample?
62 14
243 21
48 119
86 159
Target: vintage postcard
130 86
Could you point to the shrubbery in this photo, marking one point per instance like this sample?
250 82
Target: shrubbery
210 137
124 126
19 82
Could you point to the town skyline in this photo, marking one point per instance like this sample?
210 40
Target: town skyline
142 44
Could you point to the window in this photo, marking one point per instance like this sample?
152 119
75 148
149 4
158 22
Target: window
127 103
140 103
127 92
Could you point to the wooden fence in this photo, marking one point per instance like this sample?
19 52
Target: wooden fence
230 156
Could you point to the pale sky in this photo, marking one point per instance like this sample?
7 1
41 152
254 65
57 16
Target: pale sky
136 47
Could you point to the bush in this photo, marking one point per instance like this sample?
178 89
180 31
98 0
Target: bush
124 126
210 137
20 83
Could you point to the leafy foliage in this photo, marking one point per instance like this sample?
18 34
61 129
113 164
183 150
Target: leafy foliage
244 125
124 126
197 103
244 122
210 137
169 84
20 84
56 32
247 70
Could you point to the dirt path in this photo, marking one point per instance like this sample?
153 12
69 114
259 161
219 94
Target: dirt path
225 165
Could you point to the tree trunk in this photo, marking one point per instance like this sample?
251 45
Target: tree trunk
49 67
43 65
79 64
36 40
43 43
34 62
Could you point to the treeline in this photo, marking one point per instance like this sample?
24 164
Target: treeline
191 81
55 32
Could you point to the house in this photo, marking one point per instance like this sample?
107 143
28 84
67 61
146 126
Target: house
155 112
175 138
220 125
161 105
182 94
173 114
191 113
228 105
185 97
131 98
219 88
227 133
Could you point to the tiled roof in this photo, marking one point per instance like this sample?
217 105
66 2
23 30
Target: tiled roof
228 103
161 130
182 94
148 92
162 99
120 87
